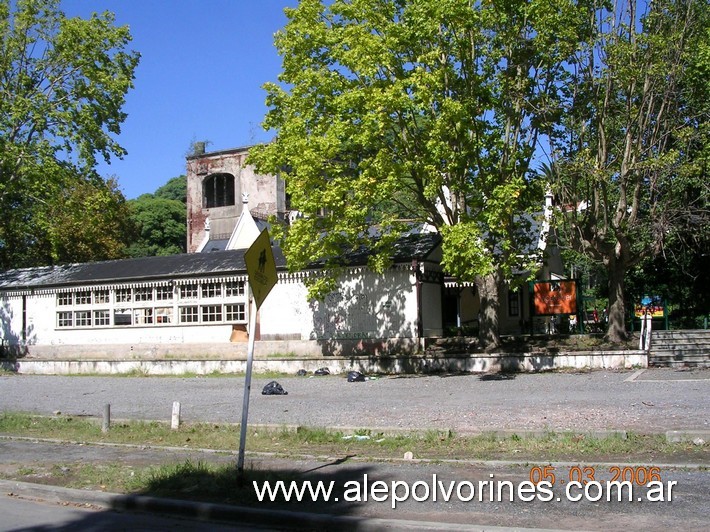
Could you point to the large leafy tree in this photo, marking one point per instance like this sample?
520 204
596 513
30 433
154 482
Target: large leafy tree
63 83
86 221
631 160
159 219
83 221
174 189
427 111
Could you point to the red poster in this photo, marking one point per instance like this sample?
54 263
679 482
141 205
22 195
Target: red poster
555 297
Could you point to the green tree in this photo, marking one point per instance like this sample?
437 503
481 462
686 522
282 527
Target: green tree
63 83
85 222
160 224
174 189
630 161
424 110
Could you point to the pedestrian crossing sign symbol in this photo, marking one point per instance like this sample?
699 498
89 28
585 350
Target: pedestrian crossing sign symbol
261 268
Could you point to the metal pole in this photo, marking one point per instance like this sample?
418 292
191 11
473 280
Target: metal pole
247 386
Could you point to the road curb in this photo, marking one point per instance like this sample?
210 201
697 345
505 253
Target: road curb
679 436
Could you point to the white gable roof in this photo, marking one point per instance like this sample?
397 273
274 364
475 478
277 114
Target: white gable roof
246 231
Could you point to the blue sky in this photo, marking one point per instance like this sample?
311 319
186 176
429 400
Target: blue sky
203 64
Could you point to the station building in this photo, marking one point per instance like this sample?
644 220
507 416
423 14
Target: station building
195 304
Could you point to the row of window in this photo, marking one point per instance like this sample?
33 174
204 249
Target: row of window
185 292
192 303
123 317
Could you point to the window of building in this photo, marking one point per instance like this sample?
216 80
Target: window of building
206 301
82 318
234 288
143 294
188 291
164 293
102 297
82 298
211 290
122 317
164 315
188 315
102 318
211 313
143 316
218 191
513 303
123 295
235 312
64 319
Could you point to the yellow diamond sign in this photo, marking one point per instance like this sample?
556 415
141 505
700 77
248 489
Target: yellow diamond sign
261 267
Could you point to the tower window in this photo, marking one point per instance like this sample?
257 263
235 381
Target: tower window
218 191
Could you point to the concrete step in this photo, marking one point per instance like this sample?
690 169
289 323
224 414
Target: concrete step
669 363
683 334
678 353
680 348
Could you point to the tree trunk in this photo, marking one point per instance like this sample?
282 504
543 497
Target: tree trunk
489 294
616 269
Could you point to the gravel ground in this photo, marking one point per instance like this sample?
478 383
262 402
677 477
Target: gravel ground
652 400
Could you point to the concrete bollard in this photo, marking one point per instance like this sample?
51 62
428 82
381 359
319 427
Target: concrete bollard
106 421
175 423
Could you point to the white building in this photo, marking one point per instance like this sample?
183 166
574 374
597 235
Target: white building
195 304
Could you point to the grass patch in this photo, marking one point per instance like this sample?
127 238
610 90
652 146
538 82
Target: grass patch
218 481
433 445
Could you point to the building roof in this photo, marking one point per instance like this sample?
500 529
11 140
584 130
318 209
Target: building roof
182 266
216 244
417 246
126 270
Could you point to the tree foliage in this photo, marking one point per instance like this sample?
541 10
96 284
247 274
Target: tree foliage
631 155
63 83
174 189
159 219
391 114
84 221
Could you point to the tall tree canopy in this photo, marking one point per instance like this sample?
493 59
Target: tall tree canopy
630 159
63 83
174 189
418 111
159 220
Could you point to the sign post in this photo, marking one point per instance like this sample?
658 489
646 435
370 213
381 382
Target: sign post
261 269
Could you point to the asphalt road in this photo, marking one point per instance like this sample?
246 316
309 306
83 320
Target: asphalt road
645 401
33 515
653 400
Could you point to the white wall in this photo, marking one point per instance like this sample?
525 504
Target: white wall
365 306
285 313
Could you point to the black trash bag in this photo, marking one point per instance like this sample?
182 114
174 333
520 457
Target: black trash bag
355 376
273 388
322 371
301 373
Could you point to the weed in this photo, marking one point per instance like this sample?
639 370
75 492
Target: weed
320 441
